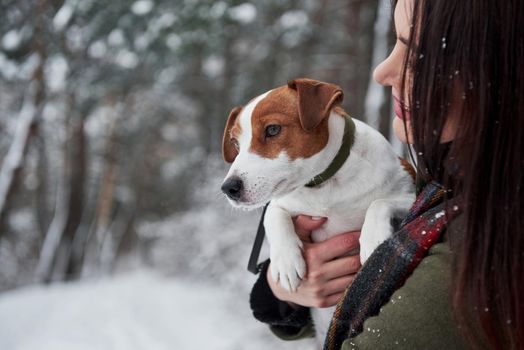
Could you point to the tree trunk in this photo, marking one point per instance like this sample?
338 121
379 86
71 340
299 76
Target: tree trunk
105 205
224 102
42 212
48 253
120 228
316 17
359 22
27 120
13 164
76 184
375 96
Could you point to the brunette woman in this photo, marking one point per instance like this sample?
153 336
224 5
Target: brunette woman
457 78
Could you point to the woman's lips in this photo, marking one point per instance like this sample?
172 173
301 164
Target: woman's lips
400 110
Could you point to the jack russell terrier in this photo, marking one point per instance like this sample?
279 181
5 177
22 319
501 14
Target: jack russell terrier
295 147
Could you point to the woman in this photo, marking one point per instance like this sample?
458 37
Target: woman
457 74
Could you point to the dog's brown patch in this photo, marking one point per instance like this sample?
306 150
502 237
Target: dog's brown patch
235 131
231 132
315 100
408 168
280 107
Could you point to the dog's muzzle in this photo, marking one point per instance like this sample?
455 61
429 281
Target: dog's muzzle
232 187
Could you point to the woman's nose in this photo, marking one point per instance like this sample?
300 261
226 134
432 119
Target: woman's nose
384 73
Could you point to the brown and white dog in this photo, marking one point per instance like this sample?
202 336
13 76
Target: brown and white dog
286 137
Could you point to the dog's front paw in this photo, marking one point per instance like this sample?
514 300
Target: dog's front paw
373 233
288 266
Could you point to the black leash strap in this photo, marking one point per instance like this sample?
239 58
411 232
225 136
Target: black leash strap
252 265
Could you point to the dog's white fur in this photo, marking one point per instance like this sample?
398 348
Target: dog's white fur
365 194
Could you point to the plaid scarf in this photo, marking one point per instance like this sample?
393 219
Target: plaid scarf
391 264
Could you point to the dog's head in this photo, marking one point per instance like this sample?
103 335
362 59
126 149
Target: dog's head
275 141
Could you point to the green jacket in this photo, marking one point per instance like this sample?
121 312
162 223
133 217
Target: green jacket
418 316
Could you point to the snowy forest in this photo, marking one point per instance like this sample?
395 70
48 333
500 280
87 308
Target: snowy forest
111 120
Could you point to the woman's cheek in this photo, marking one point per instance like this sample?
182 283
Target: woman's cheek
399 130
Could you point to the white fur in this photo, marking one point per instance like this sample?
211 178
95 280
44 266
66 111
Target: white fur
369 189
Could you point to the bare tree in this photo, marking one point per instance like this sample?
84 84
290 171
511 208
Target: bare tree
105 207
48 254
375 95
56 255
28 118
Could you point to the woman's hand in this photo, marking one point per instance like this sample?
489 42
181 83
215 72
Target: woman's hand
329 271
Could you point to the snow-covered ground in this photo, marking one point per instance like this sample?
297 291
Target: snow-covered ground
136 311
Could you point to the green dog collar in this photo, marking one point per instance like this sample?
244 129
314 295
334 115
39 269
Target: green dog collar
343 153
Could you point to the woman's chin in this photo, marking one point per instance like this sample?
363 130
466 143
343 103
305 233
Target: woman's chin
400 131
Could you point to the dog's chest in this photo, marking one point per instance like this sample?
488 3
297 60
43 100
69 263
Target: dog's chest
344 209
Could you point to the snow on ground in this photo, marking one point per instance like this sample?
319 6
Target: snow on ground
136 311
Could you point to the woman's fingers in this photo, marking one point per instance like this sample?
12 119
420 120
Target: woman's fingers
340 285
313 293
344 266
333 248
305 224
329 267
348 265
331 300
334 286
319 295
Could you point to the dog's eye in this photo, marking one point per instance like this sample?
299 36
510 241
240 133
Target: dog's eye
272 130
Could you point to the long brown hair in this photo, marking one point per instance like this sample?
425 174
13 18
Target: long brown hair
471 52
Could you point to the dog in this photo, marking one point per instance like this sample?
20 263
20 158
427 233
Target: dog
296 148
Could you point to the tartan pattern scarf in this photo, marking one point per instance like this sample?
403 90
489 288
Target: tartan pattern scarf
391 264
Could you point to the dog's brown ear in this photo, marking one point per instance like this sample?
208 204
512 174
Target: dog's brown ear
315 100
229 149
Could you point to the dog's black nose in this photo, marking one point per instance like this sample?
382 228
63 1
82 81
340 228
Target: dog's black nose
233 188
